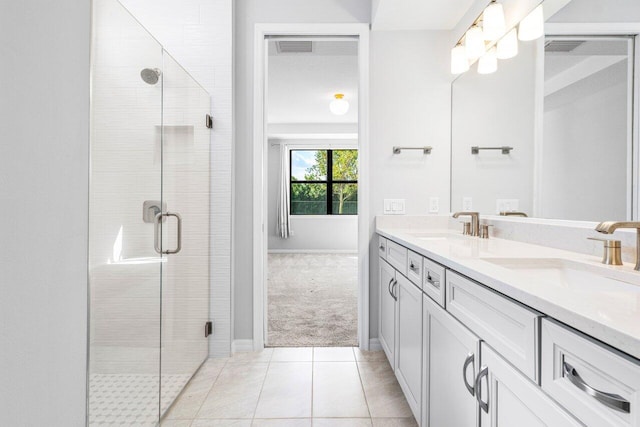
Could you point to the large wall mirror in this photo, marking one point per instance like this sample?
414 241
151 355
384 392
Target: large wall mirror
552 134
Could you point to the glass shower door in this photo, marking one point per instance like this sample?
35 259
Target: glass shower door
185 229
125 193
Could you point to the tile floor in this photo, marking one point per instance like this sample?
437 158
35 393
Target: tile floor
293 387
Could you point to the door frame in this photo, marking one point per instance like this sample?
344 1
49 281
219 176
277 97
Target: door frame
260 147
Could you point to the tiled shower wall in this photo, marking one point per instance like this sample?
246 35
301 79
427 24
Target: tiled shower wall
198 33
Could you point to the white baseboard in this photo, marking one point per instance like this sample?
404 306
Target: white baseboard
374 344
313 251
241 345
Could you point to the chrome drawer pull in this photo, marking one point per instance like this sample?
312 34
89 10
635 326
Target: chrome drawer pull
611 400
434 283
468 361
412 267
381 247
484 372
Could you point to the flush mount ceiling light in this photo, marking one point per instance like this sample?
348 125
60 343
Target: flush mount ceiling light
532 26
474 42
493 23
459 61
488 63
508 45
339 106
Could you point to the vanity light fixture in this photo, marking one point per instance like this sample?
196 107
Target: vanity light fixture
459 61
488 63
493 22
474 42
532 26
508 45
339 106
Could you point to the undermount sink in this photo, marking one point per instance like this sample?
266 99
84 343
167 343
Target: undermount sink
570 274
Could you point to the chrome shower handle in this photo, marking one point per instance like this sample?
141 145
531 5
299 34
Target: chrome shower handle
158 232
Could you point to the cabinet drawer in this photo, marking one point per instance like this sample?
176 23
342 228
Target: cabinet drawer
575 368
397 256
414 268
433 280
510 328
382 247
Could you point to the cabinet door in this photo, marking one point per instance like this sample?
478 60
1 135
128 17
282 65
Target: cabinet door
512 399
387 326
409 342
451 360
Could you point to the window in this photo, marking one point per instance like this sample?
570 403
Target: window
324 182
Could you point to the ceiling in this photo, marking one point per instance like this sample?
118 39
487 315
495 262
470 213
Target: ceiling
418 14
301 85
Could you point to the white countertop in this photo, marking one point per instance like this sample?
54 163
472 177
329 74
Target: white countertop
608 312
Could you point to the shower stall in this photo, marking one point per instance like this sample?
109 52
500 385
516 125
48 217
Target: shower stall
149 224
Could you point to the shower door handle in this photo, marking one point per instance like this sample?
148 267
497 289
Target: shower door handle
158 233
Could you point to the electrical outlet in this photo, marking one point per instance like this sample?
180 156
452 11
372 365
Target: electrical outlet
434 205
394 206
467 204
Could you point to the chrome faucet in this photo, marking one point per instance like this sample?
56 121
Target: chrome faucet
608 227
513 213
475 221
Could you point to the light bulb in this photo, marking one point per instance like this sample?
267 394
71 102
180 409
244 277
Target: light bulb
488 63
532 26
474 43
459 61
493 23
508 45
339 106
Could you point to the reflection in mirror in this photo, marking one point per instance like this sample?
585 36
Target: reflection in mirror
564 105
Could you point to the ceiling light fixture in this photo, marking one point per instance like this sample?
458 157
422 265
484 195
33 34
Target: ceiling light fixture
474 42
339 106
532 26
459 61
493 22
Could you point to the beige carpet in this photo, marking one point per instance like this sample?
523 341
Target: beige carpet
312 300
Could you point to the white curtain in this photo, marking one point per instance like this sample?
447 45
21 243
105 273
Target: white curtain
284 226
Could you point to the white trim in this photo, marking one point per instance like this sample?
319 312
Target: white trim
238 346
313 251
260 142
374 344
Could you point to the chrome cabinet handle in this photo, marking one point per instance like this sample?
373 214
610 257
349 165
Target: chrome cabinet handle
611 400
381 247
484 372
389 288
468 361
413 267
157 233
434 283
393 294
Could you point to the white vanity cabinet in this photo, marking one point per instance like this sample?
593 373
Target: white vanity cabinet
387 313
508 398
409 342
450 364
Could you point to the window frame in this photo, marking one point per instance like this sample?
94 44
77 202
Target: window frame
328 182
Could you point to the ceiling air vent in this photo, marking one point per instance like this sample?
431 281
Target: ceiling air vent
295 46
562 45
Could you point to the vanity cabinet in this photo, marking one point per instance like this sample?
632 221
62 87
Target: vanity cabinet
450 364
507 398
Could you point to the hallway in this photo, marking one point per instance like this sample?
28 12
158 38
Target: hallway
338 386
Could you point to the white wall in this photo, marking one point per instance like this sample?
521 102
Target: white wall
44 163
198 33
410 106
310 233
599 11
248 13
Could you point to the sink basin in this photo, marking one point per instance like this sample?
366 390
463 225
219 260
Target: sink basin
570 274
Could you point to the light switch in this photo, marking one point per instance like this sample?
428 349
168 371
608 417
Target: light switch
434 205
394 207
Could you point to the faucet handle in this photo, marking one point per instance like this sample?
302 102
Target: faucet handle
612 254
466 228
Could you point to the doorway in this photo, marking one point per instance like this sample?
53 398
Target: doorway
309 284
